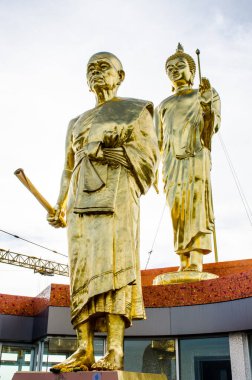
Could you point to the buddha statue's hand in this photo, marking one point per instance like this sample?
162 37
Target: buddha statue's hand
55 218
205 95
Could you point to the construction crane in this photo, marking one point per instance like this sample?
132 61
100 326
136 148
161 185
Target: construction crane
43 267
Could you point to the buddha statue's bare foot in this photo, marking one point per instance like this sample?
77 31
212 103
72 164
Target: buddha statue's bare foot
181 268
184 262
194 268
195 262
112 361
80 360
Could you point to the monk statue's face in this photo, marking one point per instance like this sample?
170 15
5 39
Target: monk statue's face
103 73
178 71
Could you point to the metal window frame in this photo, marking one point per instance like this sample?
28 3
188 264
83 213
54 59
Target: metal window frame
28 346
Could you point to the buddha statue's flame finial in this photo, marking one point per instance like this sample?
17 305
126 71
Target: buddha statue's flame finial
180 48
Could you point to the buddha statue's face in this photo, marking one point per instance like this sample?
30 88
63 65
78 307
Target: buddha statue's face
178 71
102 73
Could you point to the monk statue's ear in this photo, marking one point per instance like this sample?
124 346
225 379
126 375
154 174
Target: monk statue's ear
90 90
121 74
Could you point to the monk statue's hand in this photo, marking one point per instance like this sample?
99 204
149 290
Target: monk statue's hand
113 138
54 218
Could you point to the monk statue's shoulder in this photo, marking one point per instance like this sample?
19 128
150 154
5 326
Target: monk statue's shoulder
139 104
71 124
81 117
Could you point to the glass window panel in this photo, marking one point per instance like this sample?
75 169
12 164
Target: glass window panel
99 347
25 368
150 356
60 344
57 349
204 357
56 358
27 357
45 357
9 356
44 369
134 350
13 359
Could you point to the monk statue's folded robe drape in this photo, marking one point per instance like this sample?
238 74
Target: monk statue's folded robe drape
185 143
116 154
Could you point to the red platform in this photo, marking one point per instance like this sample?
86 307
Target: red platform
102 375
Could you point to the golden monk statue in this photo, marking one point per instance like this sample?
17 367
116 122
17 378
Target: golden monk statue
111 159
185 123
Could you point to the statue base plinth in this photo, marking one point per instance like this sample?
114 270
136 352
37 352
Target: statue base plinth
90 375
182 277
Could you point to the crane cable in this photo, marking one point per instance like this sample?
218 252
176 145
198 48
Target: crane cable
236 179
31 242
155 237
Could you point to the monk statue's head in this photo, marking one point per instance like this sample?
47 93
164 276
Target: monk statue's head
180 68
104 72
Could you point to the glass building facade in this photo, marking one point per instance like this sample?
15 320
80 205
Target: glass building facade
15 358
204 358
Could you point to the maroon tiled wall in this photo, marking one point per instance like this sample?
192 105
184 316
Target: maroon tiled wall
60 295
221 269
16 305
234 282
227 288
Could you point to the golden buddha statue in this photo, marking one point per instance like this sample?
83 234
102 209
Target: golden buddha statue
110 160
185 124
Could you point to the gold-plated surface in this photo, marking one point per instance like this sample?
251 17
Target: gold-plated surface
185 124
184 276
167 345
111 159
124 375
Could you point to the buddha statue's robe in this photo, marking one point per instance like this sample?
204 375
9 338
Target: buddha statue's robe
116 156
185 142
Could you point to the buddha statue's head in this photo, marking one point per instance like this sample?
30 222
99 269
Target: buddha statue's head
180 68
104 71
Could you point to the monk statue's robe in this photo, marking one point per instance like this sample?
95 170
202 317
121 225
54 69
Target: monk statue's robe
185 142
116 155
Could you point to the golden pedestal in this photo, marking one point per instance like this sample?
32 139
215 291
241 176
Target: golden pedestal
102 375
182 277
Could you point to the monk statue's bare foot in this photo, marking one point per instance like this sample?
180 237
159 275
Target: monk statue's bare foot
80 360
112 361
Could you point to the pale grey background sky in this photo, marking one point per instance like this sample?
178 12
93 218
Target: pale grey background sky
45 46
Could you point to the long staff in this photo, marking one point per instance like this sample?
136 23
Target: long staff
19 173
214 230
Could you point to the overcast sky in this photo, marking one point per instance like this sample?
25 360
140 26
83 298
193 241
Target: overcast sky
45 46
